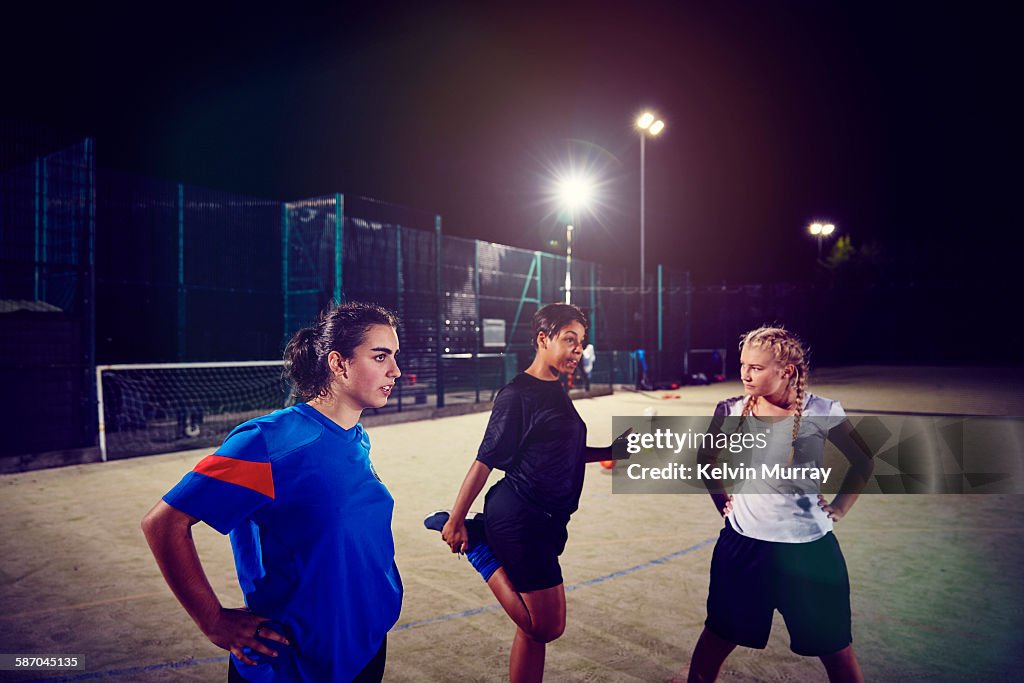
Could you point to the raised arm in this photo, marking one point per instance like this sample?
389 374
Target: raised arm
454 531
169 534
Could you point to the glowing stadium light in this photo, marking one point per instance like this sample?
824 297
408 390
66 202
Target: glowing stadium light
820 231
645 120
656 127
575 192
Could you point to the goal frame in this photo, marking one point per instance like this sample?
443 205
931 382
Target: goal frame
100 369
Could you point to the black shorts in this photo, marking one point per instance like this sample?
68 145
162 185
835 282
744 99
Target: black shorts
373 672
526 540
807 582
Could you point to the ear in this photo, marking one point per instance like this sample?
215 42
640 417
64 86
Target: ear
542 339
337 364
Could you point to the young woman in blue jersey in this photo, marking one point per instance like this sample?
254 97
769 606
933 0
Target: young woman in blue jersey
777 549
536 436
308 518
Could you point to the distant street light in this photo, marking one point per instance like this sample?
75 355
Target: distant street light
650 125
821 231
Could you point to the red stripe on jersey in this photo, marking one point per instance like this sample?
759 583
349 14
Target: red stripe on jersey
255 476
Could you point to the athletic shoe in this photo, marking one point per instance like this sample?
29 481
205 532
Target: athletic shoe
435 521
479 554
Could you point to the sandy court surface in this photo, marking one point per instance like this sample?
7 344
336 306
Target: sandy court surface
936 580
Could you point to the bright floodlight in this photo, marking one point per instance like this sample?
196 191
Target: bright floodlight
575 192
816 228
657 127
827 229
645 120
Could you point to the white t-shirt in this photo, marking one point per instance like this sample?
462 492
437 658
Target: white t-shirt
775 510
588 358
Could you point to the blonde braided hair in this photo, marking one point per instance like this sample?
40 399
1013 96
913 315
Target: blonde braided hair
787 349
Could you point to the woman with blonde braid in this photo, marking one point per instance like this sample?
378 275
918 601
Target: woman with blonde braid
777 549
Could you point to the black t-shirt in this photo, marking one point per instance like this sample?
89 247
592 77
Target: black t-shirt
538 438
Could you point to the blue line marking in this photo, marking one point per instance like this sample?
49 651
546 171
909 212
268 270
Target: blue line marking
403 627
582 584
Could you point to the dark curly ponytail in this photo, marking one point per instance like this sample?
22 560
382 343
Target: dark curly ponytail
340 328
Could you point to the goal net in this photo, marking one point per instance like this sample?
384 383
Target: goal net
704 366
164 407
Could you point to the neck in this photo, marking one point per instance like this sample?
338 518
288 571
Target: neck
784 400
337 410
541 369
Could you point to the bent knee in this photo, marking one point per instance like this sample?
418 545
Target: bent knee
545 633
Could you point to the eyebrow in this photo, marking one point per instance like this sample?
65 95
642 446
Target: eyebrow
384 349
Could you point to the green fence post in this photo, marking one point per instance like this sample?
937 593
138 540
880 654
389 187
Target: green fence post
399 287
439 345
36 221
535 265
477 322
339 248
689 317
593 307
181 272
399 276
661 307
44 271
285 313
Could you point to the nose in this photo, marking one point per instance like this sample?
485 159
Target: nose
395 371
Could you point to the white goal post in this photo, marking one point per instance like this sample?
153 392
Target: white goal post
148 408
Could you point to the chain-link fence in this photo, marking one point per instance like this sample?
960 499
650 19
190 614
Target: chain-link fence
111 267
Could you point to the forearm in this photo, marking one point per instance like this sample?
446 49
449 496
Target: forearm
853 483
862 465
604 453
470 489
716 487
169 534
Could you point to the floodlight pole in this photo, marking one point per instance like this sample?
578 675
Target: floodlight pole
647 124
568 263
643 234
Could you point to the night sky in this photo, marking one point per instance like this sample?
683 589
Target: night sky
891 120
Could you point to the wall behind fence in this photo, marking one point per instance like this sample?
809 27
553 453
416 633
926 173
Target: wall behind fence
47 319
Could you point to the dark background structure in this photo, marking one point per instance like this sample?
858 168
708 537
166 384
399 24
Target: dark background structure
893 120
896 123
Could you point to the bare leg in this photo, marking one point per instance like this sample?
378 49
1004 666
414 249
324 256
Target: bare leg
708 657
526 663
539 617
842 666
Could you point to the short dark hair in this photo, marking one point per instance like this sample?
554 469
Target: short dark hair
340 328
553 317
